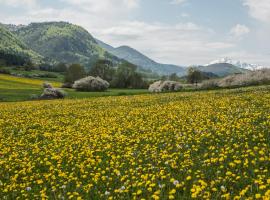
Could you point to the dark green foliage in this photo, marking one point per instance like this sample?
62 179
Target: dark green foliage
5 71
13 58
28 66
60 67
194 76
13 51
174 77
74 73
126 76
103 69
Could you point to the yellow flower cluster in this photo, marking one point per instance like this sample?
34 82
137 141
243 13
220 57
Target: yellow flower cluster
200 145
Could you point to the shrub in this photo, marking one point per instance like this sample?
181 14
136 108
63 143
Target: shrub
165 86
47 85
46 75
67 85
53 93
4 71
258 77
91 83
209 84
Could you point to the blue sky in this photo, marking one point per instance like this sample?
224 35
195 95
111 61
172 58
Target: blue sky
182 32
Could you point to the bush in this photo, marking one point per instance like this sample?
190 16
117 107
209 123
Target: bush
258 77
91 83
67 85
47 85
165 86
53 93
210 84
46 75
4 71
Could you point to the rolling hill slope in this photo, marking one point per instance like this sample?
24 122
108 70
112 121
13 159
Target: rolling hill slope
222 69
12 49
137 58
63 42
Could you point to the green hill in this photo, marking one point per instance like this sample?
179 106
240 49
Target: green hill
13 50
222 69
137 58
62 42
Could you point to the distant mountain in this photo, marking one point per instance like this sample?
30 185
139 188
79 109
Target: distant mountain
222 69
12 47
236 63
137 58
63 42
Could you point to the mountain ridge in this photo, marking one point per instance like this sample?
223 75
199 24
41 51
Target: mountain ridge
134 56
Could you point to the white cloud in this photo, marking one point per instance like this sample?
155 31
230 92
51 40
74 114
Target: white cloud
239 30
178 1
105 6
259 9
182 43
17 3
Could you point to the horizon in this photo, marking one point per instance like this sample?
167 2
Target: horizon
187 33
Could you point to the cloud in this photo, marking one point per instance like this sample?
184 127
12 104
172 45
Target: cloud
105 6
259 9
18 3
239 30
181 43
178 1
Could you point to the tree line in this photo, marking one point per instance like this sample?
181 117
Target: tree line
125 75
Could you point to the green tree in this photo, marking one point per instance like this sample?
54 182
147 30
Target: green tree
127 77
74 72
173 77
60 67
28 66
194 76
103 69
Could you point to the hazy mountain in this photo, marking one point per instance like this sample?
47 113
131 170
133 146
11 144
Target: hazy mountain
137 58
62 42
11 45
236 63
222 69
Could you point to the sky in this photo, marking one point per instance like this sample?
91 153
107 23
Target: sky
181 32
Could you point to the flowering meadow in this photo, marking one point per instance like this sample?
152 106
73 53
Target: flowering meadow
200 145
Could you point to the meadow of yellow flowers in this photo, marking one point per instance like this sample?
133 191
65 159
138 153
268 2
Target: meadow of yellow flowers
201 145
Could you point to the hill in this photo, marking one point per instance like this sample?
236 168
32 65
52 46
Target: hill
63 42
13 50
222 69
137 58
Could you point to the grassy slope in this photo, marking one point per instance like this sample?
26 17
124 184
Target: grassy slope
20 89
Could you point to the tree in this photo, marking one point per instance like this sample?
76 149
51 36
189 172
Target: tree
103 69
127 77
74 72
194 76
174 77
28 66
60 67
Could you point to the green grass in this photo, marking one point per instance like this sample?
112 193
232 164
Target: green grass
59 78
21 89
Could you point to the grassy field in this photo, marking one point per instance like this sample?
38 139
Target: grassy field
21 89
200 145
